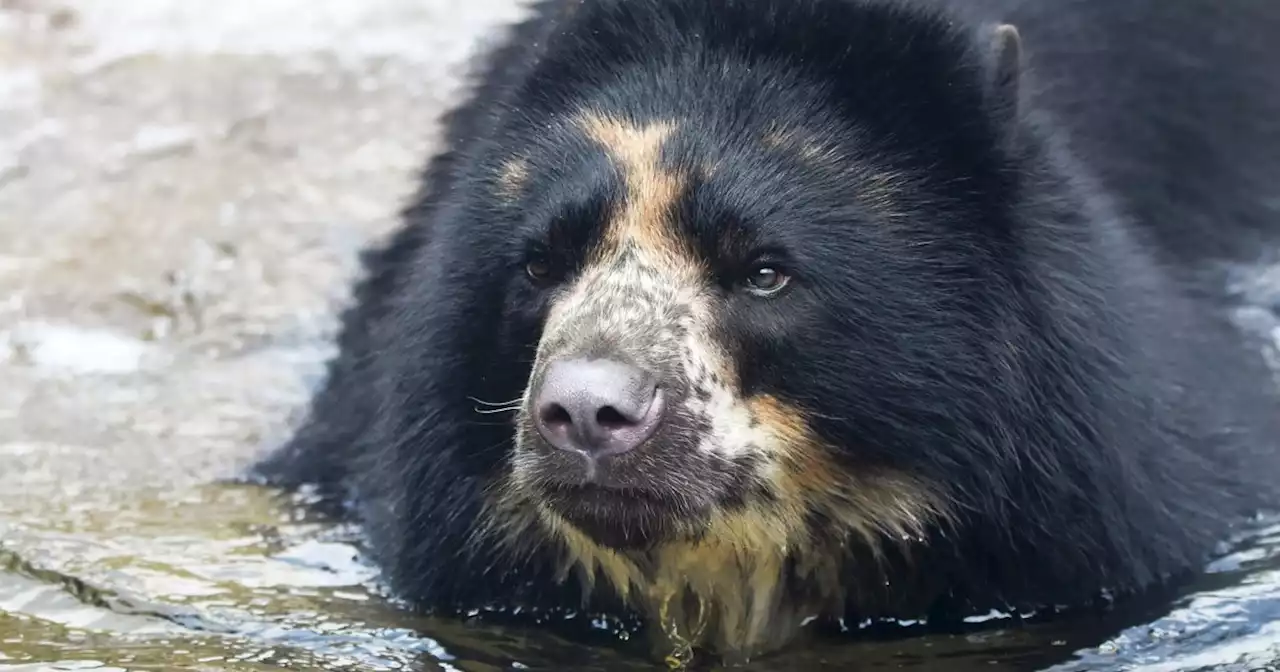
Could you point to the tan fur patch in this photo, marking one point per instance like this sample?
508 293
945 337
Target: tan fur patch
643 222
807 146
512 177
876 187
725 590
868 504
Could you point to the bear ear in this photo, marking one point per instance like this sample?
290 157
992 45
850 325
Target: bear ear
1004 78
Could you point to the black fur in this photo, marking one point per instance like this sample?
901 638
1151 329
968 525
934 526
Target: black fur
1031 318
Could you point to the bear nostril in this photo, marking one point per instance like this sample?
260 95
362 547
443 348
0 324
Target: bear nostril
610 418
555 415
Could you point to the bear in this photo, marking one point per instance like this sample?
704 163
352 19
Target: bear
725 319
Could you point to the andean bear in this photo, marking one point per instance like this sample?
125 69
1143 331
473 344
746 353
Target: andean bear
723 317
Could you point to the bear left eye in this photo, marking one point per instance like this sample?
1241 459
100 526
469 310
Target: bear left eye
766 280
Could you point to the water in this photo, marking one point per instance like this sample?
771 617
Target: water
183 188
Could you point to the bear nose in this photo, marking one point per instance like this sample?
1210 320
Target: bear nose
597 407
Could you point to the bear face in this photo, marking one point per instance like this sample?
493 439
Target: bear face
716 306
648 236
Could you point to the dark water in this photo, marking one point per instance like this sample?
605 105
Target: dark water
183 187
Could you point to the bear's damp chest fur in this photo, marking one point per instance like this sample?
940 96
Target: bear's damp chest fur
709 593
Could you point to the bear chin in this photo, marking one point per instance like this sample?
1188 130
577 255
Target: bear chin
625 503
622 520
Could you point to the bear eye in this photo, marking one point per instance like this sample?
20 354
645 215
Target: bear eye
766 280
538 271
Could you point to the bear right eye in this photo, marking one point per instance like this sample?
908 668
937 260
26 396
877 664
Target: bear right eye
539 271
542 272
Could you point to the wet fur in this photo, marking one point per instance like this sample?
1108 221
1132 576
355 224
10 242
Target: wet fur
1005 381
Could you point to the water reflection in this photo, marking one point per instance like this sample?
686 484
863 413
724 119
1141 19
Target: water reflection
230 577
